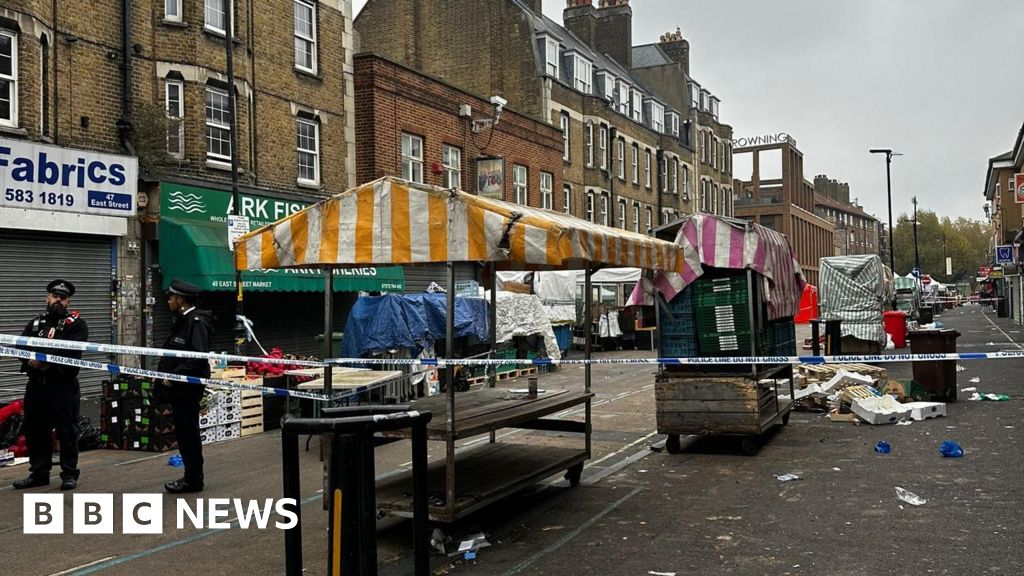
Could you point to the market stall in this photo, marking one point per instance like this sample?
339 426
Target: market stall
855 290
738 295
399 223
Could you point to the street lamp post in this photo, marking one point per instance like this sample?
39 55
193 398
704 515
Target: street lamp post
917 259
888 184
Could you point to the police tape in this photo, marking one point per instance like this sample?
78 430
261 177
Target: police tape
117 369
11 340
701 360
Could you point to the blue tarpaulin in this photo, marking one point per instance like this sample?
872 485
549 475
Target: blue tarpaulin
412 321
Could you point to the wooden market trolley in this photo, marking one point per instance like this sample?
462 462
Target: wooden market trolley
395 222
712 401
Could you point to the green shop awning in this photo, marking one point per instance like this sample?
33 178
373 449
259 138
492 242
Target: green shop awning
194 248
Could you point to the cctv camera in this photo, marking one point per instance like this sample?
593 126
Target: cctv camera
498 101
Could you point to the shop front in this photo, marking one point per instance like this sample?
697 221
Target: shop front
286 307
63 214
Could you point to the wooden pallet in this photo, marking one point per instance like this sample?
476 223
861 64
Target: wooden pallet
816 373
252 413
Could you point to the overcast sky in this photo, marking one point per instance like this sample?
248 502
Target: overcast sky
941 81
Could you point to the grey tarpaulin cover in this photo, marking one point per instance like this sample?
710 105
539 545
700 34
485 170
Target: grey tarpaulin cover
523 315
854 289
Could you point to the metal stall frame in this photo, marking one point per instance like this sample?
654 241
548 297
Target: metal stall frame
492 470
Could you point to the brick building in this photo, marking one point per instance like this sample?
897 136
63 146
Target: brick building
856 231
419 128
147 79
778 197
626 151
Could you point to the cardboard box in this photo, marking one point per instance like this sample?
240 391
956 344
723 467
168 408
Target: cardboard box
880 410
926 410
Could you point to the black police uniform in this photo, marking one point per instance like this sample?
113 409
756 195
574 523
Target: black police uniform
191 331
52 396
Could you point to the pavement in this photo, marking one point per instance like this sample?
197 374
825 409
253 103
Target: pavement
638 510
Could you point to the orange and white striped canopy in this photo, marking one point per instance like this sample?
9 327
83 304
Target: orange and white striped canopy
391 221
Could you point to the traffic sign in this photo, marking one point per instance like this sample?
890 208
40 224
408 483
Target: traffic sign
926 280
916 272
1004 254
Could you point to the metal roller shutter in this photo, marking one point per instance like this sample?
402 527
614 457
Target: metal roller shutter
28 262
418 278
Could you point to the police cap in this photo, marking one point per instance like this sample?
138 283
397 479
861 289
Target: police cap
182 288
62 287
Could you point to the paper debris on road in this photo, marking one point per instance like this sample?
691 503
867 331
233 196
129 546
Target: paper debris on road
653 573
971 389
909 497
975 380
786 477
960 368
990 397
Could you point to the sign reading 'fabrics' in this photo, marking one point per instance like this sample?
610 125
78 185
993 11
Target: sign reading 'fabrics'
43 177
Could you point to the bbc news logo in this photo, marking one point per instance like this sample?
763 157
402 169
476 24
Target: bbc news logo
144 514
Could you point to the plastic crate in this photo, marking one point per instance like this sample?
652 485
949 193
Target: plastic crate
723 298
683 302
721 285
679 324
723 319
677 347
725 344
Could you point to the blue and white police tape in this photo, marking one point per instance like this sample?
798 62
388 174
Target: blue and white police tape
11 340
116 369
841 359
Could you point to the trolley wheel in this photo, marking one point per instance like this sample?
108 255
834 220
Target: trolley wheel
749 446
672 444
573 474
785 419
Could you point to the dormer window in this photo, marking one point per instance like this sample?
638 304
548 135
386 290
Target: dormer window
622 97
605 85
713 108
672 123
636 107
705 103
581 72
654 115
549 46
695 95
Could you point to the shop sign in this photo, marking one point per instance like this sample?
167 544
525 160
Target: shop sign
196 225
44 177
490 178
1004 254
1018 188
766 139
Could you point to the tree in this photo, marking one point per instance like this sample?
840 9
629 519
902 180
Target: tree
964 240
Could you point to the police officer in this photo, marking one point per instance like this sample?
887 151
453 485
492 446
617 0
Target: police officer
52 394
192 330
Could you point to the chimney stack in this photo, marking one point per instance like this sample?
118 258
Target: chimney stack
580 18
677 48
615 31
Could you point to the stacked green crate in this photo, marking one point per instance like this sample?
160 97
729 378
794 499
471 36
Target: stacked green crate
723 316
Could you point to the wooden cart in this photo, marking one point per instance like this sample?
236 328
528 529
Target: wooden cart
744 406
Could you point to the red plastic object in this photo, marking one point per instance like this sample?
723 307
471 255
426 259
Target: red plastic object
808 305
895 322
